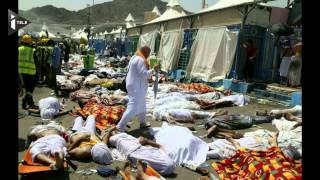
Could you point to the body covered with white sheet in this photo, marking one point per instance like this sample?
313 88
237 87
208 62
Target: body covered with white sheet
181 145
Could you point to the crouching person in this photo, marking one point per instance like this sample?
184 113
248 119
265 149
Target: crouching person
84 144
140 149
48 141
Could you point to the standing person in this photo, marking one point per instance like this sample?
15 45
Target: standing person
54 67
61 46
294 74
137 86
250 60
285 62
27 69
66 54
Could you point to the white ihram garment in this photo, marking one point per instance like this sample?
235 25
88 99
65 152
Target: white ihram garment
137 86
48 145
133 150
49 107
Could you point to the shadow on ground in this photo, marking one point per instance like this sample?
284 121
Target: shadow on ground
53 175
22 144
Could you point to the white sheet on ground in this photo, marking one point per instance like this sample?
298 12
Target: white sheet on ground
213 52
181 145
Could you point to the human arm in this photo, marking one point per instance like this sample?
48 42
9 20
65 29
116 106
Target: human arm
244 45
77 139
106 138
144 141
233 142
143 69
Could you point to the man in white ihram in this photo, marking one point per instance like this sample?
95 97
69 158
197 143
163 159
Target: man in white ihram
137 86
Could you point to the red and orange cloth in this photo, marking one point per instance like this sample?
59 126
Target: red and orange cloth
105 115
251 164
199 87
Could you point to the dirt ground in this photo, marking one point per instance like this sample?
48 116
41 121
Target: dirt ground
67 121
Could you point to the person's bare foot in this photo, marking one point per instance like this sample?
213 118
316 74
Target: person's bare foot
140 170
202 171
273 140
221 112
288 116
59 160
232 141
211 130
204 178
262 113
127 169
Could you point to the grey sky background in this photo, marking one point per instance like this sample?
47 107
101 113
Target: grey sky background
74 5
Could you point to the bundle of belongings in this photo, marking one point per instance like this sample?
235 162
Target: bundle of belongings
69 83
105 115
111 84
111 73
100 95
82 95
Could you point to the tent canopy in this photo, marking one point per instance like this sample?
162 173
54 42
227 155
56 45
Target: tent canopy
173 3
174 10
129 18
156 10
222 4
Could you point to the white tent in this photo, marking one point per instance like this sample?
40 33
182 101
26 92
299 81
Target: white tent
105 32
43 33
277 3
79 34
130 24
212 61
222 4
156 10
174 10
129 18
173 3
130 21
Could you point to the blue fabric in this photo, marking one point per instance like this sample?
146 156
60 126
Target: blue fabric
187 39
56 57
105 172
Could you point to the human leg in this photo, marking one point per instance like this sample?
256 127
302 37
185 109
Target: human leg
126 117
29 83
78 123
91 124
44 159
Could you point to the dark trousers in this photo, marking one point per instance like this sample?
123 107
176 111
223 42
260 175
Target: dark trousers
248 70
52 78
29 84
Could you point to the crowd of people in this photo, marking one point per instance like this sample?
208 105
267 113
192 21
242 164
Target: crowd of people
102 119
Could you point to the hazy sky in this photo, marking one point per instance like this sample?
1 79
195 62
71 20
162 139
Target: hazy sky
190 5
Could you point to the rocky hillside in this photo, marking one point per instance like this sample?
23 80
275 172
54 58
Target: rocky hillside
109 12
